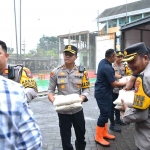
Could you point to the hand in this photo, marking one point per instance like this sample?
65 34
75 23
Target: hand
124 106
121 113
127 88
51 97
82 97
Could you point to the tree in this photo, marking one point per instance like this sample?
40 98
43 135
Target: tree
48 43
10 50
48 46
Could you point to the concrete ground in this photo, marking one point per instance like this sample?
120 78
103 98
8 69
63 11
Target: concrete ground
47 120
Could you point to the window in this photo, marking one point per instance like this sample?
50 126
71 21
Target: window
147 14
136 17
112 23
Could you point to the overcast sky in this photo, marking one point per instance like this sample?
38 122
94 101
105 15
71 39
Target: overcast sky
50 18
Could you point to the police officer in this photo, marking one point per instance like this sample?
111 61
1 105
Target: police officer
70 79
137 56
103 93
120 71
17 73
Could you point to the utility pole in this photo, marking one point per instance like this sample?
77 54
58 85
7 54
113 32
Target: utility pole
97 21
126 13
24 45
69 37
16 29
20 30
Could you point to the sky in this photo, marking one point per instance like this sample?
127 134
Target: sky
49 18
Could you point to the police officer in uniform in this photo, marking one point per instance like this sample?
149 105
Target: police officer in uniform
137 56
70 79
120 71
17 73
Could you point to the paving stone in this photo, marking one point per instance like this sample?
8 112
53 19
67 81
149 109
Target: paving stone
47 120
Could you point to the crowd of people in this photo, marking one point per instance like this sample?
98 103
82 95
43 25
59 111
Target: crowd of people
19 129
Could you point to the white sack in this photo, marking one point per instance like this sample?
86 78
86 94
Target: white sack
118 107
66 99
127 96
68 107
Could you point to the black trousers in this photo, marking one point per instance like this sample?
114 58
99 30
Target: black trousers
65 123
114 111
105 106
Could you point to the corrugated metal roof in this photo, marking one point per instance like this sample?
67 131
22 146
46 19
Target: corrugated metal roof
138 5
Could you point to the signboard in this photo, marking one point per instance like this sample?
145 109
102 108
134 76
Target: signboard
103 43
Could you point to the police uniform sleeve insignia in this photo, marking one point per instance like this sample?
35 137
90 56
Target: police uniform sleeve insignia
85 81
27 80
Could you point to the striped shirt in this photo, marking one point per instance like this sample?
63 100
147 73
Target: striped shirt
18 129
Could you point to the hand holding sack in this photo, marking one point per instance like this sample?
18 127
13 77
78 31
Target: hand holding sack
127 96
67 102
124 79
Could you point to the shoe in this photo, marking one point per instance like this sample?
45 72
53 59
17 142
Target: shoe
120 122
106 134
114 128
99 137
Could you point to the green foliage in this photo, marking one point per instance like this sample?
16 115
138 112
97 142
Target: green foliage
10 50
48 43
47 47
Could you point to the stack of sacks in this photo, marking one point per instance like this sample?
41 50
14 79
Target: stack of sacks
67 102
127 96
124 79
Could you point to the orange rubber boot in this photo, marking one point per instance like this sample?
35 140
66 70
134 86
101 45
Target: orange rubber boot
106 134
99 136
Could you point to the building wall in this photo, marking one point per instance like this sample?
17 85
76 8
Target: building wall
114 25
113 29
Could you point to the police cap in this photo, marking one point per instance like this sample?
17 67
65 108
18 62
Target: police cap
132 51
119 53
70 48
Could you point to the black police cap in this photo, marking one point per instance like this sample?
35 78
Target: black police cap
132 51
70 48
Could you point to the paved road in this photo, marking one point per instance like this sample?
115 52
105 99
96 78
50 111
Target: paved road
47 120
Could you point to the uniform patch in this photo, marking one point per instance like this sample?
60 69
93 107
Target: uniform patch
62 81
62 86
137 84
78 85
28 72
62 74
51 74
6 71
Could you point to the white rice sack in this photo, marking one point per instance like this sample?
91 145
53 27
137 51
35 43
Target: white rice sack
127 96
66 99
124 79
118 107
68 107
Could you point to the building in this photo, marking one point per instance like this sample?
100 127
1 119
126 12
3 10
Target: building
111 19
135 32
85 42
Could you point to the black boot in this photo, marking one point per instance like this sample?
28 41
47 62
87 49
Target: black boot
114 128
120 122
